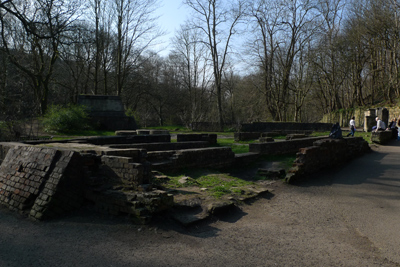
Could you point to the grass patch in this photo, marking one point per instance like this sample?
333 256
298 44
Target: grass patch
237 147
219 191
317 134
172 128
280 137
365 135
86 133
217 184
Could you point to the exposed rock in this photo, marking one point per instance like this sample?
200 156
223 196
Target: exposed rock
295 136
187 180
219 206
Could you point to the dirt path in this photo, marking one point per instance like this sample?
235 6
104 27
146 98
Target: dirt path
349 217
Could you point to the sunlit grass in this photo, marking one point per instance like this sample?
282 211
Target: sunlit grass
216 183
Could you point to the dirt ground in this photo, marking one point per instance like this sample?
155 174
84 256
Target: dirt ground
344 217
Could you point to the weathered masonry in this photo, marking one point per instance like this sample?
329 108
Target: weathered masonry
41 182
325 154
46 179
44 183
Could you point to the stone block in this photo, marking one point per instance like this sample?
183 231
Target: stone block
382 137
295 136
162 146
325 153
211 138
126 133
141 131
244 136
283 147
286 127
266 139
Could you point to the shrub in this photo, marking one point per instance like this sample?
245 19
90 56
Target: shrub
68 119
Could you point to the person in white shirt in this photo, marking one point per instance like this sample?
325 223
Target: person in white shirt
352 124
380 125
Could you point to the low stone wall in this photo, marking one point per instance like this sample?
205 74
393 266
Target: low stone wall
160 156
244 136
136 155
141 131
139 204
283 147
326 153
165 146
207 126
156 138
295 136
4 148
244 159
107 140
44 183
126 132
212 157
287 127
41 182
128 173
211 138
382 137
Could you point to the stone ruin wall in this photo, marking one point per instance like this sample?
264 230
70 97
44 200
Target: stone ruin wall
41 182
45 182
285 127
282 147
326 153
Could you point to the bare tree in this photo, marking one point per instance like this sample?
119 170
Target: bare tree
32 33
266 15
328 57
136 30
190 58
217 20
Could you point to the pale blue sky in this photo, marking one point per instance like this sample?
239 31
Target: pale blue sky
172 14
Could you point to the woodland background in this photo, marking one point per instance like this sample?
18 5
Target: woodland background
234 61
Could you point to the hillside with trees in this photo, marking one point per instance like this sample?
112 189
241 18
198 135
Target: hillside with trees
234 61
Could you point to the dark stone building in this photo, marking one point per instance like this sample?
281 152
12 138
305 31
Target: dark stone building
107 112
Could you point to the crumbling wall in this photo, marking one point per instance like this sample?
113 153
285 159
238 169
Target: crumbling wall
244 136
212 157
324 154
287 127
41 182
106 140
282 147
130 173
218 157
382 137
211 138
164 145
44 183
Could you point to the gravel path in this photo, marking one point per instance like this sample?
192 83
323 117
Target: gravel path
349 217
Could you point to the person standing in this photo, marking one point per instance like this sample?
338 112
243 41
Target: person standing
398 129
352 124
